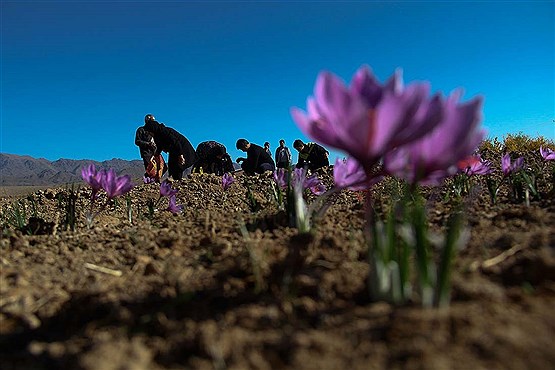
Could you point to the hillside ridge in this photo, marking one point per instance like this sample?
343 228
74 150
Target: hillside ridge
24 170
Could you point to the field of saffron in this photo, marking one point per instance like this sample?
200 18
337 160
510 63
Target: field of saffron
228 281
425 248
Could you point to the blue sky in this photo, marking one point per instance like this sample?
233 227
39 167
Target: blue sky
78 77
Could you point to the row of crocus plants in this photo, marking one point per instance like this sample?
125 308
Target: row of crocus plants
403 132
387 130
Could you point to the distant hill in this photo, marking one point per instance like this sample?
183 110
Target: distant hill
17 170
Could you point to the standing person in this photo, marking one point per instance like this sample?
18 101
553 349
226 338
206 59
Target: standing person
181 153
283 155
154 163
267 148
257 161
312 155
212 157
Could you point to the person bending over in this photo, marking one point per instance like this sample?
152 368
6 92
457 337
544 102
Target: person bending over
257 161
212 157
312 155
181 153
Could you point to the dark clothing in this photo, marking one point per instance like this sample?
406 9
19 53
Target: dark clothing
283 157
257 160
314 156
145 142
212 157
169 140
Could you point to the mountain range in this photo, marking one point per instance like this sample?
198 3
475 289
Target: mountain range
18 170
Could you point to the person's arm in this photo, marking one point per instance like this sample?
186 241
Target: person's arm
288 153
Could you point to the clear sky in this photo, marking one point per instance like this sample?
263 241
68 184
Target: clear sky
77 78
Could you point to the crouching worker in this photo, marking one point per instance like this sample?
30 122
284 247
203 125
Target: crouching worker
181 153
212 157
257 161
154 163
311 155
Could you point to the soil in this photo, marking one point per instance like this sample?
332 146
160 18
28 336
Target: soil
221 286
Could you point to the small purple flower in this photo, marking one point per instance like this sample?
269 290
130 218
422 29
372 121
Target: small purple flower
435 156
92 177
311 182
349 174
547 154
280 177
172 206
475 165
507 167
115 185
367 120
227 180
148 180
166 189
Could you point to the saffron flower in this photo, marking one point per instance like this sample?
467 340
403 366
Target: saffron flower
227 180
280 177
312 182
547 154
367 119
166 189
148 180
435 156
114 185
349 174
172 206
475 165
507 167
92 177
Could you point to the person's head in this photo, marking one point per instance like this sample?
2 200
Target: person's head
298 144
149 118
266 145
242 145
282 142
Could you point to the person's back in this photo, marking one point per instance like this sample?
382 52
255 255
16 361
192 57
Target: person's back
317 157
212 157
312 155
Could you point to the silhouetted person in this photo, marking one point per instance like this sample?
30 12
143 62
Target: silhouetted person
212 157
181 153
311 155
283 155
257 161
267 148
154 163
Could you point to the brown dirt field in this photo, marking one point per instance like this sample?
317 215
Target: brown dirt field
195 291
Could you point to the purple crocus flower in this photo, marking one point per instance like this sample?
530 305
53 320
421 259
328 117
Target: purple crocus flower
92 177
507 167
475 165
166 189
172 206
349 174
547 154
435 156
311 182
280 177
148 180
227 180
368 120
115 185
